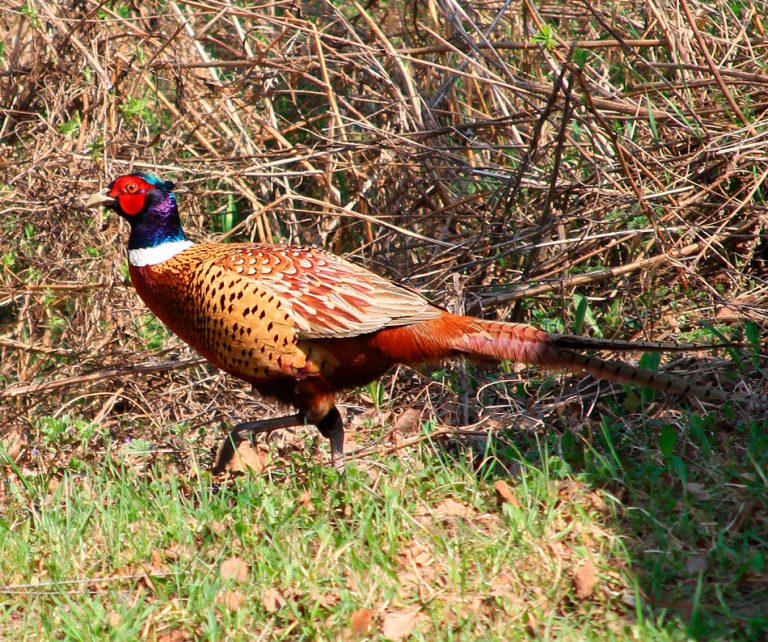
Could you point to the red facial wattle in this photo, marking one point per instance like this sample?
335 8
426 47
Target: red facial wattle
132 204
130 193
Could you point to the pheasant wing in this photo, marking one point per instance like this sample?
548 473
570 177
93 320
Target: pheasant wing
327 297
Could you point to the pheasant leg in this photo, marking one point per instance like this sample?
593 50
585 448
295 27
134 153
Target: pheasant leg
332 428
244 430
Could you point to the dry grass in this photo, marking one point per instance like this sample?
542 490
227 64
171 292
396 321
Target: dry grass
536 150
427 142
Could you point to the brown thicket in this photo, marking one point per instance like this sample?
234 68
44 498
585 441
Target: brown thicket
500 156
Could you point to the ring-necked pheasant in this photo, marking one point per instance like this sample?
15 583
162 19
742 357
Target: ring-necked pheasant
301 324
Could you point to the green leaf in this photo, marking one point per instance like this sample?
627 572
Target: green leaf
752 330
545 36
652 121
667 440
758 562
581 311
650 360
678 465
584 311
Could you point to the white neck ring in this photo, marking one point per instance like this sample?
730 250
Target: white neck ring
158 254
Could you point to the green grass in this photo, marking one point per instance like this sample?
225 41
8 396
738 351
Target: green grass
132 546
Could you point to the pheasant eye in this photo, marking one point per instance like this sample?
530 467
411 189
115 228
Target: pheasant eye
131 188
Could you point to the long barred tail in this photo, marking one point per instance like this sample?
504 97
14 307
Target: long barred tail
623 372
525 344
575 342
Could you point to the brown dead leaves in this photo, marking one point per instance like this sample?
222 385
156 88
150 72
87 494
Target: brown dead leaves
417 569
504 493
399 624
447 510
450 508
235 569
570 491
581 533
305 501
231 600
173 635
360 622
13 441
272 600
585 580
394 623
408 422
248 457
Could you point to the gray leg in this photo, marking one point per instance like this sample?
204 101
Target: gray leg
244 430
332 428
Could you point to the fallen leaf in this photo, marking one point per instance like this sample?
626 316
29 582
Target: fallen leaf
327 600
234 568
305 500
398 624
397 440
558 549
360 621
685 607
158 562
739 308
598 503
13 442
451 508
248 457
53 484
417 566
533 626
505 494
174 635
569 489
145 578
353 583
217 527
415 555
409 422
233 600
585 580
272 600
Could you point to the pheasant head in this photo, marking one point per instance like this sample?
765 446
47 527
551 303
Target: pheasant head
149 206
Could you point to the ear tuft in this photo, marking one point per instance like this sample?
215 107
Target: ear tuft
169 185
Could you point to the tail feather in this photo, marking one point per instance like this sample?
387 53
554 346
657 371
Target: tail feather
625 373
526 344
575 342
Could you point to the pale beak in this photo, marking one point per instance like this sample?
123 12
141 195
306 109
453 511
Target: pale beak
99 199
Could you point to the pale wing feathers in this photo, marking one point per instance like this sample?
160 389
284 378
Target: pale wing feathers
326 296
